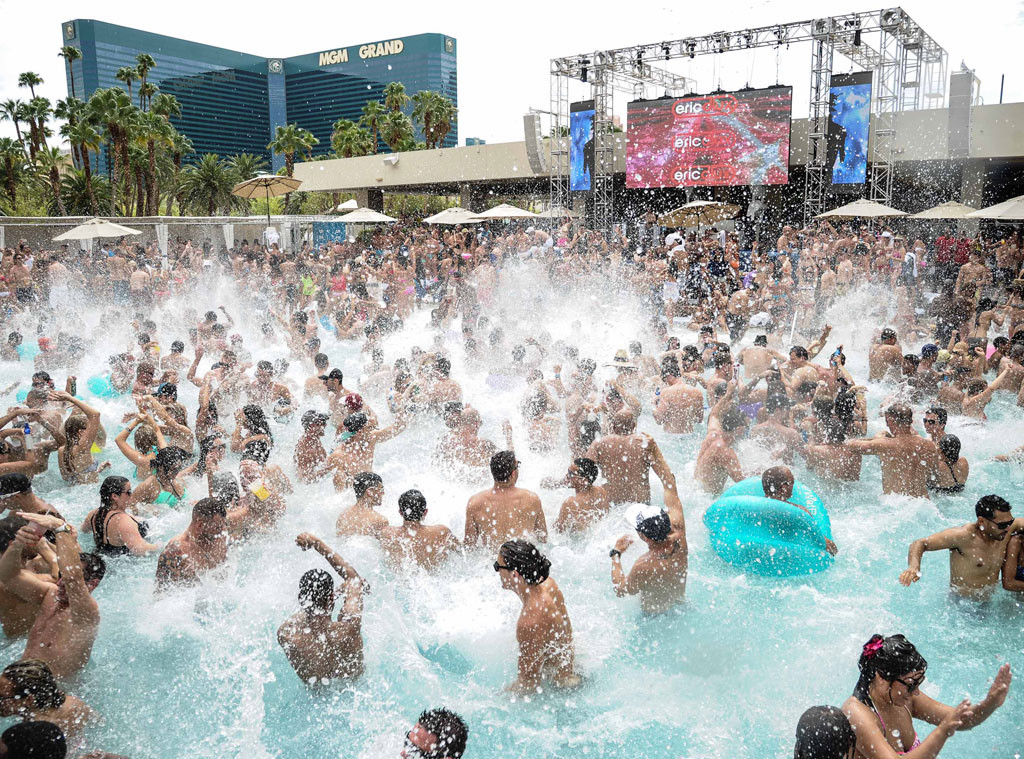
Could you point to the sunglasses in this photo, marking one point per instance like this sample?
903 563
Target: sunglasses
498 567
1001 525
931 421
913 685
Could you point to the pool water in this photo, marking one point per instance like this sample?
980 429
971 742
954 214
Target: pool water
199 673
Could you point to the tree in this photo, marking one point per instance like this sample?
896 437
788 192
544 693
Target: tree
127 74
396 130
113 109
11 110
289 140
36 112
181 146
373 114
70 54
12 160
50 161
82 194
245 166
349 139
207 185
166 105
146 92
153 130
144 63
435 113
31 80
70 110
85 136
395 98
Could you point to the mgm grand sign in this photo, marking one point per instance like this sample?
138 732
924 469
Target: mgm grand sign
375 50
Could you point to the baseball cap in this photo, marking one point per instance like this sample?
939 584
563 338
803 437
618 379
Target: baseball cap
929 349
650 521
334 374
354 402
888 333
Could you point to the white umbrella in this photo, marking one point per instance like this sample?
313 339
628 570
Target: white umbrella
266 186
365 216
558 212
94 228
505 211
861 209
454 215
698 212
948 210
1008 210
348 205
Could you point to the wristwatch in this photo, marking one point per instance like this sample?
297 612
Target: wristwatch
614 552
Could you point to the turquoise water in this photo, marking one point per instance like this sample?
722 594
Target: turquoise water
200 674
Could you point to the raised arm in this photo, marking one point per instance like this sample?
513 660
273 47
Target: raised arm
28 586
92 417
72 577
940 541
121 441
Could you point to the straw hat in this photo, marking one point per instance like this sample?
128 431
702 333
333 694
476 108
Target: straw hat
621 360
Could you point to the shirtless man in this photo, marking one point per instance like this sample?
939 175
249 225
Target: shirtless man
907 459
29 691
626 459
310 455
65 628
362 517
775 432
716 460
976 550
25 577
504 512
543 631
425 545
885 357
176 360
119 272
777 483
462 444
266 393
589 504
442 388
315 387
202 547
319 648
678 405
757 359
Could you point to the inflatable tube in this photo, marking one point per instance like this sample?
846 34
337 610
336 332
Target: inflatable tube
30 350
325 322
767 537
22 395
99 385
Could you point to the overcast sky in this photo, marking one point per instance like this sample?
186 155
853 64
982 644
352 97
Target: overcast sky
504 56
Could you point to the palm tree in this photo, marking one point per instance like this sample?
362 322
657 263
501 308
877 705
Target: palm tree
349 139
146 92
207 184
396 129
82 194
85 136
373 113
137 165
12 158
289 140
11 110
436 113
70 54
127 74
144 63
166 105
152 130
181 146
113 109
36 112
395 98
50 161
70 111
31 80
246 166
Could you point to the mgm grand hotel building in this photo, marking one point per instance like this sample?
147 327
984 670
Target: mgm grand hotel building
232 102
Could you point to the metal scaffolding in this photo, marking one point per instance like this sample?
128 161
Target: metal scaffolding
909 67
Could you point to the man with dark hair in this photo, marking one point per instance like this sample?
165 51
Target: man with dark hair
504 512
427 546
627 458
935 423
310 454
885 356
589 504
441 387
976 550
357 445
908 460
65 627
315 386
16 495
362 517
777 483
202 547
319 648
757 359
33 740
264 392
29 690
716 460
438 734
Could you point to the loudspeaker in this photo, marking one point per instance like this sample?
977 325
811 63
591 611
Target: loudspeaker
534 143
961 85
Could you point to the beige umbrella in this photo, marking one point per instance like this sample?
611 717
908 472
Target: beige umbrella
505 211
94 228
365 216
1008 210
558 212
861 209
454 215
348 205
948 210
266 186
698 212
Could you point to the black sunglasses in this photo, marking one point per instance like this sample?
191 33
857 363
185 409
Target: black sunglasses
913 685
498 567
1001 525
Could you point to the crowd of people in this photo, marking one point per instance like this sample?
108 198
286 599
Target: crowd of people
741 351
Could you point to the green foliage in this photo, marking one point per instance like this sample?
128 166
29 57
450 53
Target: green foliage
435 113
349 139
206 186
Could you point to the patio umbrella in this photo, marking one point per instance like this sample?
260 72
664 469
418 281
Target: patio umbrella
94 228
505 211
1008 210
454 215
348 205
861 209
948 210
266 186
698 212
365 216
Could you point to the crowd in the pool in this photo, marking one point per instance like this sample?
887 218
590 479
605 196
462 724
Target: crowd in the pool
734 347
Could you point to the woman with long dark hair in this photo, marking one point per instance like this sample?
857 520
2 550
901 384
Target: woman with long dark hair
888 698
164 485
116 532
250 425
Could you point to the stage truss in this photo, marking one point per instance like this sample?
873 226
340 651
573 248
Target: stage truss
909 74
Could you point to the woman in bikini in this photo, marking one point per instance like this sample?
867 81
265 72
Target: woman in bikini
148 440
952 470
888 698
165 485
80 430
116 532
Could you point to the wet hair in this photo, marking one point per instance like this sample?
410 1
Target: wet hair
503 465
35 740
177 347
256 450
443 366
205 446
33 677
451 413
207 508
824 732
412 505
761 340
256 420
900 414
891 658
589 431
321 361
733 419
912 359
949 447
211 316
635 348
988 505
145 438
74 427
670 367
588 468
316 591
111 486
986 304
449 729
800 351
265 366
170 460
355 422
9 527
775 479
224 488
940 413
587 367
93 566
364 481
721 359
1000 341
523 557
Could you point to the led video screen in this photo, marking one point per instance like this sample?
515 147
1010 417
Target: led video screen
849 121
581 146
731 138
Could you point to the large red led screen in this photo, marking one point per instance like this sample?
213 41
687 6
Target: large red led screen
732 138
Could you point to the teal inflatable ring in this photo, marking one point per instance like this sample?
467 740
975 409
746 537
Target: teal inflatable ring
99 385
